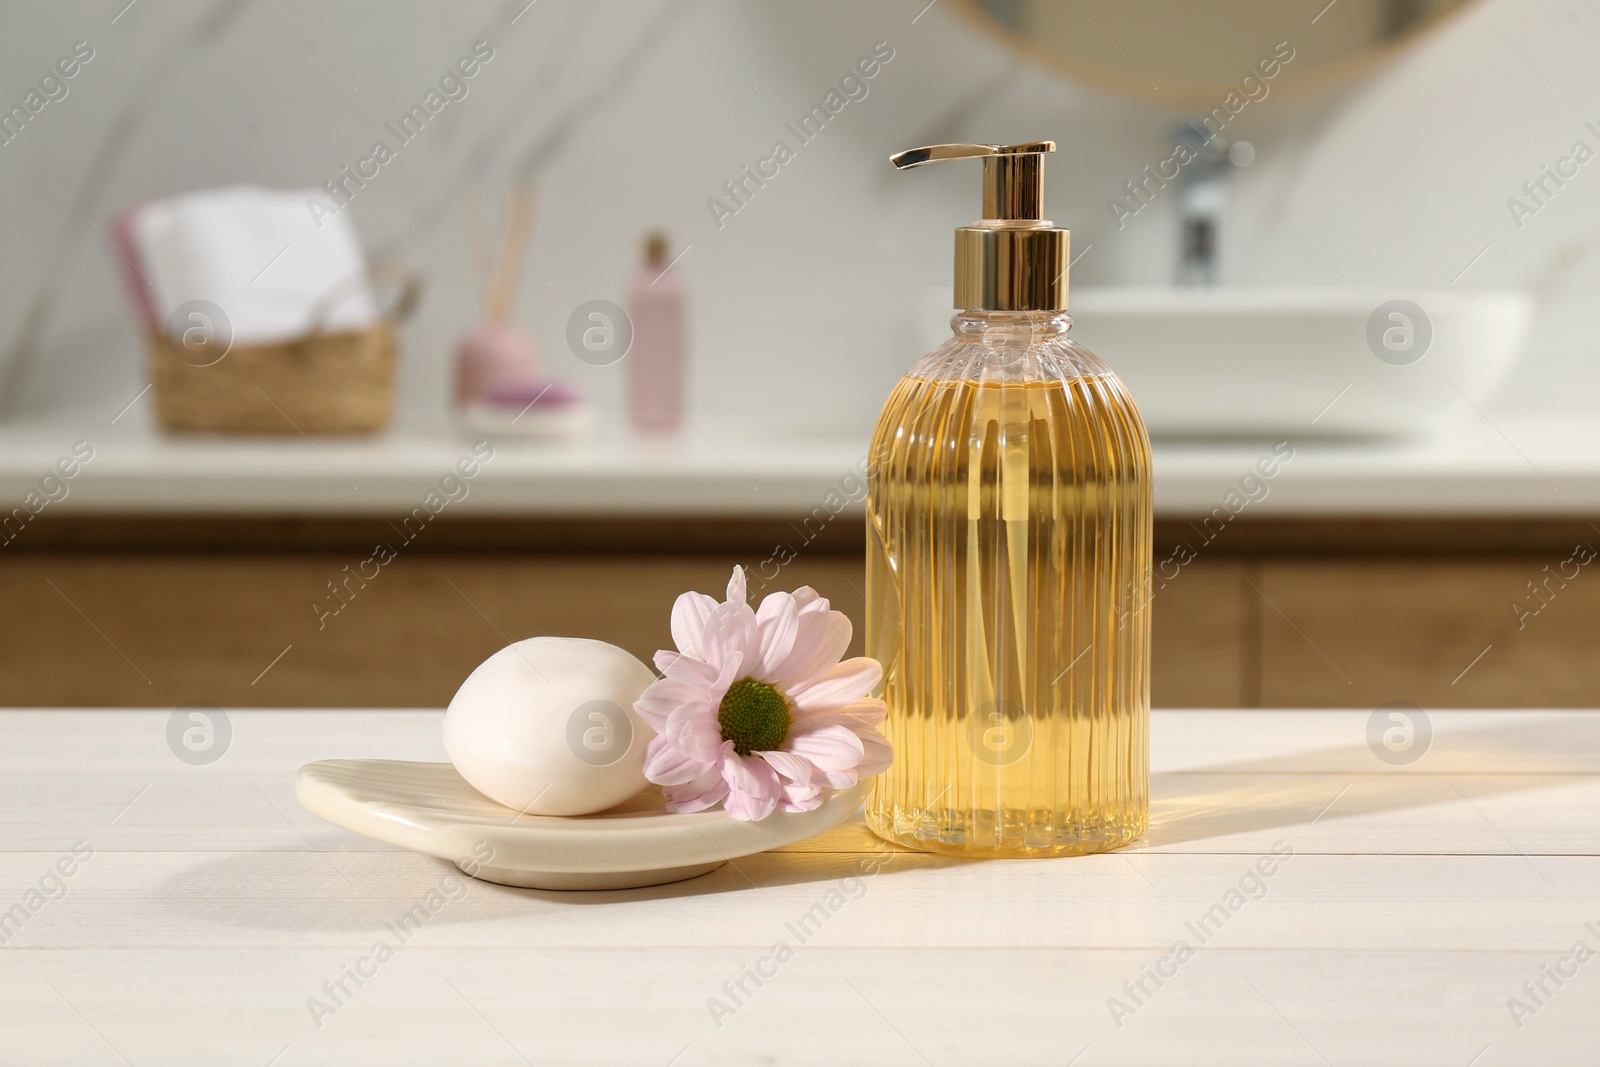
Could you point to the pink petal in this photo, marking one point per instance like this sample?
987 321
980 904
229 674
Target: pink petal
777 623
748 774
705 792
800 798
683 668
866 713
797 769
689 614
753 787
664 696
840 779
666 765
676 692
821 637
731 632
693 729
805 596
732 667
830 748
844 684
877 754
736 593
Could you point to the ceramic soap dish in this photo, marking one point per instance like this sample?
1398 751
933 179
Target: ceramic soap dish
430 808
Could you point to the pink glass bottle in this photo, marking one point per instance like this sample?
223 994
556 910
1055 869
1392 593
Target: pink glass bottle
657 358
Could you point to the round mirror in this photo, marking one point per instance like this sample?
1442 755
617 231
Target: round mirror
1195 52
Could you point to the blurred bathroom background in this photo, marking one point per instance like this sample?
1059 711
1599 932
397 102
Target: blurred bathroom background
1383 158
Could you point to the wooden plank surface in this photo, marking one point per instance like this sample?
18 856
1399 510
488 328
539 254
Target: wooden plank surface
1335 906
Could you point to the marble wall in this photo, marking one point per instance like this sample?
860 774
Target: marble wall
810 296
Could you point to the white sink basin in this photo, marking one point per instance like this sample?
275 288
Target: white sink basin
1289 362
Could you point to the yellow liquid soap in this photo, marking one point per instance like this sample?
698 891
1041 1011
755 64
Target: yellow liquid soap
1008 582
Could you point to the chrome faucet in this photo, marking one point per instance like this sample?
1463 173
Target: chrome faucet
1202 192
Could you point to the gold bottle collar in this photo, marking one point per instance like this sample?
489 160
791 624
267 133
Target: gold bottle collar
1013 259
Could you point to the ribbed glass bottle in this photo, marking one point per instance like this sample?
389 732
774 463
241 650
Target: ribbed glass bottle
1008 583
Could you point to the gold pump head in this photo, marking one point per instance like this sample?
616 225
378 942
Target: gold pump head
1012 259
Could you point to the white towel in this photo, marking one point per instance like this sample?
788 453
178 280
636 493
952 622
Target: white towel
258 255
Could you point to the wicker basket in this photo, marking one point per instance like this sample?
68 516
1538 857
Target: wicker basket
323 383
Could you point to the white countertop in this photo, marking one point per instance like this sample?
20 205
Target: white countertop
1512 466
1403 908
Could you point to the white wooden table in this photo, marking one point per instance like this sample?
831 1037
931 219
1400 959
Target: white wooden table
1402 909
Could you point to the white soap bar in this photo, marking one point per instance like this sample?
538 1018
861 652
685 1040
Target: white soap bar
546 726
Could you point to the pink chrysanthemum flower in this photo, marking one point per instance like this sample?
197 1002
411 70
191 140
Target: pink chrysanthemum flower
756 710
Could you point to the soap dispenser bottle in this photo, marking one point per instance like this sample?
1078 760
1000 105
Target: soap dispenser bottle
1009 557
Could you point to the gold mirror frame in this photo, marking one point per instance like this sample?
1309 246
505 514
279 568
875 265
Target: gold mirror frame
1331 75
